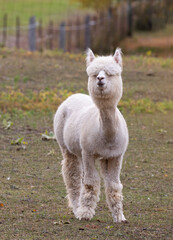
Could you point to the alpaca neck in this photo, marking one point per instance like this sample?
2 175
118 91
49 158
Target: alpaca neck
108 121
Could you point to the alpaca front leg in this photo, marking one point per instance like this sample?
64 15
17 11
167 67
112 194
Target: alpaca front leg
90 190
72 175
111 172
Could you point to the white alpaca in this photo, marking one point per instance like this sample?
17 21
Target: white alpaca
89 128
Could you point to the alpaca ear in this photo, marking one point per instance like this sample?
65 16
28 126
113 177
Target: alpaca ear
89 56
118 57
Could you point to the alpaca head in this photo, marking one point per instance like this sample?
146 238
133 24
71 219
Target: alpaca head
104 77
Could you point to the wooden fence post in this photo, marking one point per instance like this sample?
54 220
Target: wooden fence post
108 29
119 30
40 36
129 16
56 36
69 36
124 20
62 36
115 28
4 30
50 35
93 30
109 13
78 33
17 32
87 32
32 35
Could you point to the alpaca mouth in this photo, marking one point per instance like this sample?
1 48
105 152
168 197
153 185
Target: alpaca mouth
101 91
101 87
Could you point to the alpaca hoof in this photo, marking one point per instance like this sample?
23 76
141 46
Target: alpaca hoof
84 213
120 218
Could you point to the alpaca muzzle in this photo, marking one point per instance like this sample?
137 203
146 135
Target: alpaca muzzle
100 82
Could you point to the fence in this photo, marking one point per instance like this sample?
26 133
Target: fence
101 31
72 35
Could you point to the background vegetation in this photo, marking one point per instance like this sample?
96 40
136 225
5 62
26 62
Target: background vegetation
42 9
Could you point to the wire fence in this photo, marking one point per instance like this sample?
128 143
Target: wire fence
99 31
71 35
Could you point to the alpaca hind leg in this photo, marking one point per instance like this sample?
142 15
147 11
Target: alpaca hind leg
72 175
113 188
90 190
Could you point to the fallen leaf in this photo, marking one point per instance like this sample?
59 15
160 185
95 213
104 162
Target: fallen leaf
18 141
7 124
48 136
1 205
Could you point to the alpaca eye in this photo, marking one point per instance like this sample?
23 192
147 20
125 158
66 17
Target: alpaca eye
110 75
95 75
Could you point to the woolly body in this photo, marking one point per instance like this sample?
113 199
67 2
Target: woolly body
81 128
89 128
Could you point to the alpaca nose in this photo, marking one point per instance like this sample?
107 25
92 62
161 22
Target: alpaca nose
100 83
100 78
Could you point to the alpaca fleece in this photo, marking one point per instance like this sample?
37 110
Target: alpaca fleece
90 128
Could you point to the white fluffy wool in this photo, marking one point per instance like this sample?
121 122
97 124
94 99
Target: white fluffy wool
88 128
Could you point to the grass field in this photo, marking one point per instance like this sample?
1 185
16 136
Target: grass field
41 9
32 194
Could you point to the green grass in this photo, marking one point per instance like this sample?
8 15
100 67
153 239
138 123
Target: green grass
32 192
42 9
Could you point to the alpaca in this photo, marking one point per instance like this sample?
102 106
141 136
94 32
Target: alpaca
90 128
